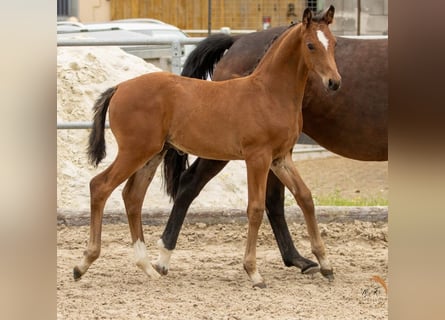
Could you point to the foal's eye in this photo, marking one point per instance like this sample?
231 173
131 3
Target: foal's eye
310 46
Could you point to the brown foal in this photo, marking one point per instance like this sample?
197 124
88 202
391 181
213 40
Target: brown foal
256 118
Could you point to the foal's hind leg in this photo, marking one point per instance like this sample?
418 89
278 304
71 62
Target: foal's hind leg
101 187
133 195
275 213
285 170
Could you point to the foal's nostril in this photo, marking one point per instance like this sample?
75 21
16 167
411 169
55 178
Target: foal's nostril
334 85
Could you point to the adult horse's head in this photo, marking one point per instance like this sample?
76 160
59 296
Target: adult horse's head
319 44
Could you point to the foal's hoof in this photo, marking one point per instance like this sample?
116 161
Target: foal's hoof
160 269
328 274
260 285
77 274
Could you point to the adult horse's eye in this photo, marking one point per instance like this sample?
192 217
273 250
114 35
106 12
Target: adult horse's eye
310 46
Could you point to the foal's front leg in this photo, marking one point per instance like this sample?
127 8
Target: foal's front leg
285 170
257 168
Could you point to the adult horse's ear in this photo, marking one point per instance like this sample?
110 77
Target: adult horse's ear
328 16
307 16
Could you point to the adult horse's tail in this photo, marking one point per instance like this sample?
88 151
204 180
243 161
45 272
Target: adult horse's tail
199 64
203 58
96 143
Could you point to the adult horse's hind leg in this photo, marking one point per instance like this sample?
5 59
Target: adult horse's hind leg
191 183
275 214
285 170
133 195
101 186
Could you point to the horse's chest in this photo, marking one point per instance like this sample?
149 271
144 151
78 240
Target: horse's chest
284 134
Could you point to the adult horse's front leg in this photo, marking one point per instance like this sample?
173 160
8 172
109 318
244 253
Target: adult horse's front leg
191 183
133 195
275 214
257 168
285 170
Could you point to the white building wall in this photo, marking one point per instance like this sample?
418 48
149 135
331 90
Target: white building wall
373 16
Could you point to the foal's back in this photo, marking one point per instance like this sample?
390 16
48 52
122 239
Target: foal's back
216 120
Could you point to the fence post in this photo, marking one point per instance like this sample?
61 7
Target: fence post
176 57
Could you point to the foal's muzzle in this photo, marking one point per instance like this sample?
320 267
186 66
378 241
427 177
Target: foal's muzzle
334 85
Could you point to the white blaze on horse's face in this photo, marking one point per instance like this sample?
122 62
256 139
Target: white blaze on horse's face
322 38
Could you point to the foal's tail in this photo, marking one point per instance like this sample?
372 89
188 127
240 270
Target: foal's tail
199 64
96 143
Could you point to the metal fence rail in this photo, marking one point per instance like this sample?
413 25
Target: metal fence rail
67 42
78 125
134 40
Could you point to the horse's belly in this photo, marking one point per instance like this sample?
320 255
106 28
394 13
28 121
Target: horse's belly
208 149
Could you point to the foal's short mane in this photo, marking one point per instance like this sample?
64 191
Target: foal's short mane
317 18
268 45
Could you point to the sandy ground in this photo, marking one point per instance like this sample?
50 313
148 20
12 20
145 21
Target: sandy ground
207 280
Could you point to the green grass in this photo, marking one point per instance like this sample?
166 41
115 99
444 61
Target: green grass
335 199
359 201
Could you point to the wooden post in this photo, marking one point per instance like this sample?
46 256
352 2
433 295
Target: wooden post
210 17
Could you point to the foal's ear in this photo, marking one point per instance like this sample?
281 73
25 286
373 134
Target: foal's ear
328 15
307 16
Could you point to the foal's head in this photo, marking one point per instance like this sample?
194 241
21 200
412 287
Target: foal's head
318 47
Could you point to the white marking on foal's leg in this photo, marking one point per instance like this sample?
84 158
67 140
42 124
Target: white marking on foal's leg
256 279
322 38
142 261
163 262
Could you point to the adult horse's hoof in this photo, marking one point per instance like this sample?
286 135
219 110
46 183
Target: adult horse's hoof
328 274
76 273
311 269
305 265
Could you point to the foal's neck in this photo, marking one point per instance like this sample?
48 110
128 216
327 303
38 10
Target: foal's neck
283 68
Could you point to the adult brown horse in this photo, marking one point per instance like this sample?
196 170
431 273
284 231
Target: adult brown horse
256 118
352 123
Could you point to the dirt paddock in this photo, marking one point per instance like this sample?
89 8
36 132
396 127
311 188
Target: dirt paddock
207 280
